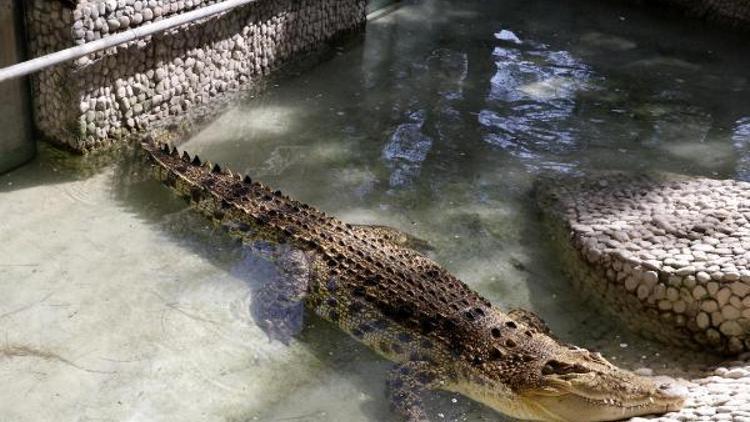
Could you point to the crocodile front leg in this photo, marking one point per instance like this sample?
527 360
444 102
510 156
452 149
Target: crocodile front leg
405 386
278 304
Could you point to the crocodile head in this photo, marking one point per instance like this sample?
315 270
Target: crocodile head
573 385
583 386
519 369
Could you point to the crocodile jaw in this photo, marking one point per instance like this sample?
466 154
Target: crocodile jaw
602 396
574 407
575 386
571 406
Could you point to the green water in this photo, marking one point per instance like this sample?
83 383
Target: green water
121 304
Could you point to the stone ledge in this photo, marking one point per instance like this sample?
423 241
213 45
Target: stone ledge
669 254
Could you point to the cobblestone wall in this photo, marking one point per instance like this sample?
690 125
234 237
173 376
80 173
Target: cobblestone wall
160 80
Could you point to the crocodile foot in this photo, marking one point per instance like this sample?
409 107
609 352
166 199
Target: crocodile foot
405 386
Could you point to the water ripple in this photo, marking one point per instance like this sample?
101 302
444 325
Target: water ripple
531 99
407 149
449 69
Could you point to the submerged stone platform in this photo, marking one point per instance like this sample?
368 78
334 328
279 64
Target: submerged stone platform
668 254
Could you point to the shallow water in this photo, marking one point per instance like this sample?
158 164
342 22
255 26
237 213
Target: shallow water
120 304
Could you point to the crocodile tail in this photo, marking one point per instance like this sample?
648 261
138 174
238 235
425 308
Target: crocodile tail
194 178
231 199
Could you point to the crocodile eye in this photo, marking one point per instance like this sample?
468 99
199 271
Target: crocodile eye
555 367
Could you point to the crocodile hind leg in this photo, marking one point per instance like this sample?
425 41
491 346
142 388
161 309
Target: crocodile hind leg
393 236
278 304
405 386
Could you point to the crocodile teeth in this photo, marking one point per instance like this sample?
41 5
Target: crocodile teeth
216 169
175 153
186 157
196 161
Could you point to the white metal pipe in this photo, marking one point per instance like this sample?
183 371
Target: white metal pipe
72 53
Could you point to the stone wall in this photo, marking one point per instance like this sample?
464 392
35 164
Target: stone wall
735 13
668 254
163 79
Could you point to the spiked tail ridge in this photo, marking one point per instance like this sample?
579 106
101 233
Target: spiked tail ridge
199 181
169 159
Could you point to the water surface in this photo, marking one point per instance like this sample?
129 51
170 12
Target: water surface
122 304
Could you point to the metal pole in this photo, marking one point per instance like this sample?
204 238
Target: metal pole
17 144
72 53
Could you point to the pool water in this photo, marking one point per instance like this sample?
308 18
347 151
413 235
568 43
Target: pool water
119 303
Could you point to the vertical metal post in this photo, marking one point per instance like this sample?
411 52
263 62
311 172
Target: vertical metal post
17 144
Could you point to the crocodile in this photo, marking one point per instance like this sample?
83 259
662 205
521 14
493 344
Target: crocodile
441 334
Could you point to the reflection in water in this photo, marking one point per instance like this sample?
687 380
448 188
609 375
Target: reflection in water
407 150
280 159
505 35
741 141
607 41
448 70
679 123
437 85
531 98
